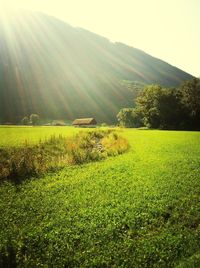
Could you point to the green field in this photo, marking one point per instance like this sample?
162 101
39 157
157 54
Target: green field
17 136
139 209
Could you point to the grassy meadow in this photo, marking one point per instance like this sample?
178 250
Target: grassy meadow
138 209
17 136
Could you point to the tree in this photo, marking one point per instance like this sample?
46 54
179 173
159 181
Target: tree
34 119
130 117
165 108
125 117
171 110
25 120
191 95
190 91
137 118
147 103
161 107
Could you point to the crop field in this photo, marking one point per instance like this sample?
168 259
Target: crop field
138 209
17 136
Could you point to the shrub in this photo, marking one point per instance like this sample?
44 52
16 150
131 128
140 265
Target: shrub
114 145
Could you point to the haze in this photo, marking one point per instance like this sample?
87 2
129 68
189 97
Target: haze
168 30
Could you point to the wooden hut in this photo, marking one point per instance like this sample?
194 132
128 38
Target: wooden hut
84 122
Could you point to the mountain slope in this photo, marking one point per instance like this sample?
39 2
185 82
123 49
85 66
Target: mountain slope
58 71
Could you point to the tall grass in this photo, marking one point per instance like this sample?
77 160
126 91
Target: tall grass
32 160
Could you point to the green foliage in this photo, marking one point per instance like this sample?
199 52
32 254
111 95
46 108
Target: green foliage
165 108
172 114
113 145
190 91
140 209
19 163
161 107
34 119
191 262
15 136
191 95
137 116
130 117
95 145
125 117
25 121
148 104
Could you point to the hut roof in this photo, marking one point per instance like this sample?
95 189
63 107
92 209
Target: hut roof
84 121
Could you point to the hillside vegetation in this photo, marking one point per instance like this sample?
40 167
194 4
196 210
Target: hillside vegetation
139 209
58 71
165 108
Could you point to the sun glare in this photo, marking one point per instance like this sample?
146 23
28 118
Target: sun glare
7 11
151 26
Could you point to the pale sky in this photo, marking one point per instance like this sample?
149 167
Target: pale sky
166 29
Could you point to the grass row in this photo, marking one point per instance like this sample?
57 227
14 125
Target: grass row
32 160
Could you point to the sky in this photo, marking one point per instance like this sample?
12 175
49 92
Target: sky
166 29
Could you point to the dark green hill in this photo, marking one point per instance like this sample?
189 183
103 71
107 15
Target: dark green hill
58 71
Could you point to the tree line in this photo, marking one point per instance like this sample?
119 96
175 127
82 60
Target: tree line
165 108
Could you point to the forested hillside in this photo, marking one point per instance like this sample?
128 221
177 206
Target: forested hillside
58 71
